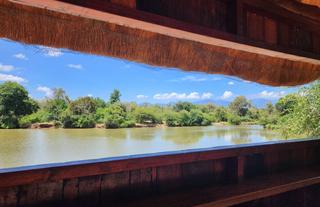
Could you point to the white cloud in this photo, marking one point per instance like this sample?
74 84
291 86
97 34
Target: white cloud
181 96
90 95
270 95
46 90
216 79
5 77
51 52
226 95
20 56
193 79
231 83
142 96
75 66
6 68
206 95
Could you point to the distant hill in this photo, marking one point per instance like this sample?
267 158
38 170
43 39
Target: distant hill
259 103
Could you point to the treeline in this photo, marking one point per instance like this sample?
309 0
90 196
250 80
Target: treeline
18 110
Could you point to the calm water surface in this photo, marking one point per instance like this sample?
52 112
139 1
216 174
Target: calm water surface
32 147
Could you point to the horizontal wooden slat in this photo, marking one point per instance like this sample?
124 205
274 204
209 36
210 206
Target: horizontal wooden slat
265 187
229 195
59 24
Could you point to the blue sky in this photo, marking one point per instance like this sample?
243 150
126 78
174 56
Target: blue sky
40 69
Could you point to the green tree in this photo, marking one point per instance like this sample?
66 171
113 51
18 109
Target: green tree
117 117
286 104
14 103
146 116
300 112
55 108
60 94
270 108
240 106
115 97
180 106
221 114
83 106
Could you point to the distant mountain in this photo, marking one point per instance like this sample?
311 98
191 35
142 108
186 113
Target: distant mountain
215 102
259 103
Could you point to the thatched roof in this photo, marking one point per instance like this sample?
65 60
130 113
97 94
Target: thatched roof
62 25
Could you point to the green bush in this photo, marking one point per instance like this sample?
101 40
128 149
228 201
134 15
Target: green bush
117 117
172 120
221 114
146 116
38 117
234 119
185 118
78 121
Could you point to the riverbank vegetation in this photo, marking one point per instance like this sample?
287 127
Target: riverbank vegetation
297 113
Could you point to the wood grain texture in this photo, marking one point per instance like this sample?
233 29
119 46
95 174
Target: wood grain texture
218 177
126 3
82 169
67 26
9 197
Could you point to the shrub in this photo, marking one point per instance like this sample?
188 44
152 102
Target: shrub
117 117
78 121
84 105
172 120
146 116
234 119
221 114
38 117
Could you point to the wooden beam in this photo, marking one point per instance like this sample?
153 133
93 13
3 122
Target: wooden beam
310 2
126 3
63 25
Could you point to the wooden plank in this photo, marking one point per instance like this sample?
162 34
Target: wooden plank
316 43
89 191
266 191
136 40
109 166
126 3
141 182
9 197
50 193
229 195
241 168
115 187
254 165
284 34
198 173
255 26
169 178
28 195
271 33
70 190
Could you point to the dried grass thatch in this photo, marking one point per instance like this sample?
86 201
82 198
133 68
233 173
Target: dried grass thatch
57 24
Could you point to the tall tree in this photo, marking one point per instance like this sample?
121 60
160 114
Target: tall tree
14 103
240 106
115 96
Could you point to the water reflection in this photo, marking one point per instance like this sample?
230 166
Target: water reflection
31 147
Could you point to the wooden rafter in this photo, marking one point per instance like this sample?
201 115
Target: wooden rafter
63 25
